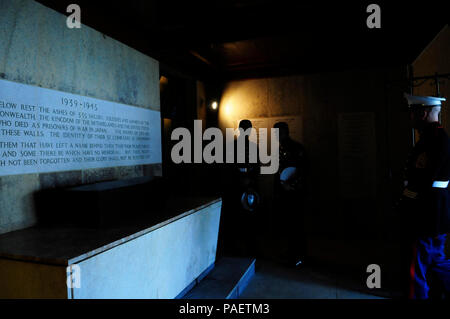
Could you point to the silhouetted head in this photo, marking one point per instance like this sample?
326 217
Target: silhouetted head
245 124
283 130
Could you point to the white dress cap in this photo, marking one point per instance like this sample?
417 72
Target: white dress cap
423 100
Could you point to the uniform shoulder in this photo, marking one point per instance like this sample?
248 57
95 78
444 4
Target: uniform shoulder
435 130
296 146
440 139
441 134
293 143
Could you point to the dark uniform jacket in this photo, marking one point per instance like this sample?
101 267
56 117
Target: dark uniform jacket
425 208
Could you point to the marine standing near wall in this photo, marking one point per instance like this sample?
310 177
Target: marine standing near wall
425 203
241 199
290 188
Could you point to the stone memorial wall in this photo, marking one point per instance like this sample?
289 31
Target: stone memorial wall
77 107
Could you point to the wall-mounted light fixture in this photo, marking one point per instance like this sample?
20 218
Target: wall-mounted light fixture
214 105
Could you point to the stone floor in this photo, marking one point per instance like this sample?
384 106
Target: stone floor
274 281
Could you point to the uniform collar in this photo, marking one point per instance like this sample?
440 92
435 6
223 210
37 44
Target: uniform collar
431 128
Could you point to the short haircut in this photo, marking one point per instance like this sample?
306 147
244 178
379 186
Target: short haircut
282 126
245 124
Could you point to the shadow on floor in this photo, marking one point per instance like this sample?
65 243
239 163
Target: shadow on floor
275 281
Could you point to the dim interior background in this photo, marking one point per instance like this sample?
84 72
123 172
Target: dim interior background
319 64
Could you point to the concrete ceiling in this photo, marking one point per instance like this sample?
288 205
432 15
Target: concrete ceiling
249 38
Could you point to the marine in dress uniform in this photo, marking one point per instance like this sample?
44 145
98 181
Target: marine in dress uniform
290 187
425 202
242 200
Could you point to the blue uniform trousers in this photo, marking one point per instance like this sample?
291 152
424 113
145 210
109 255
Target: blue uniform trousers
428 259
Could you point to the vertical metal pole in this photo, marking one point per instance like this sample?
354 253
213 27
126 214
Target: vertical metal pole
438 93
436 80
411 88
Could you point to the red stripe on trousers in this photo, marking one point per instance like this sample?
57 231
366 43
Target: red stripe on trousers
412 272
